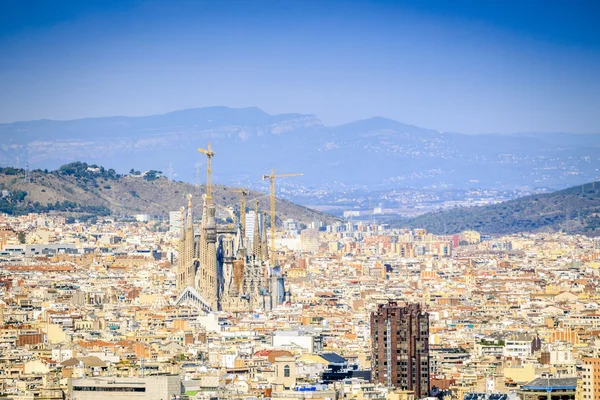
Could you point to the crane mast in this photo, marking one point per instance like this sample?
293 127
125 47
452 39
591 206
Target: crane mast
271 178
209 155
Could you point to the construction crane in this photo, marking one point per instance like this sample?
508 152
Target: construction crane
244 192
209 155
271 178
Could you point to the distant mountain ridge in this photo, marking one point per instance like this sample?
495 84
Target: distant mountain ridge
375 153
573 210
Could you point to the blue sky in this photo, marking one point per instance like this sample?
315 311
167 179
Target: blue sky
466 66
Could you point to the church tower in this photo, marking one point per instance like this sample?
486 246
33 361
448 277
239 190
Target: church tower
264 245
256 250
181 267
215 271
212 292
206 277
189 244
186 268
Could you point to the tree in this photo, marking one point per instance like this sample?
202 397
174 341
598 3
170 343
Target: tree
152 175
21 237
77 169
19 195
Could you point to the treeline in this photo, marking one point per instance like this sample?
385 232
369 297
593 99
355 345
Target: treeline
12 171
16 205
80 169
85 172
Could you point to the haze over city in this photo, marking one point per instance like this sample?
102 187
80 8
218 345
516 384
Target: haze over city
285 200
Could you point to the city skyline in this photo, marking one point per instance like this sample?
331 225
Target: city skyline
299 199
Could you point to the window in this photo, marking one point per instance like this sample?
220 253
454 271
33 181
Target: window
107 389
286 371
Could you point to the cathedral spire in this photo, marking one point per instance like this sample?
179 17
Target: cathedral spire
182 226
189 221
264 246
203 209
181 260
240 240
189 244
256 239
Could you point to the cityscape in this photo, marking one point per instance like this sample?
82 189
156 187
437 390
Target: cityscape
296 243
201 307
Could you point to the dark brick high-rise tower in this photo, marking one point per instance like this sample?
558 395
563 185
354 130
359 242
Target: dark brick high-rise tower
400 347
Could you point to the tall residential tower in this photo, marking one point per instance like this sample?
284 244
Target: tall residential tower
400 347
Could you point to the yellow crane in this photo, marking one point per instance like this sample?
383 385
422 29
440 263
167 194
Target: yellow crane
209 155
271 178
244 192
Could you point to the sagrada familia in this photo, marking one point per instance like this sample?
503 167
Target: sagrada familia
216 272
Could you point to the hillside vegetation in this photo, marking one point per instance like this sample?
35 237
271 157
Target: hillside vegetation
573 210
86 190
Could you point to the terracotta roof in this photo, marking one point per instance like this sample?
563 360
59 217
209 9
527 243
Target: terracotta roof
87 361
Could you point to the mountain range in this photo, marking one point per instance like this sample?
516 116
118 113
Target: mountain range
376 153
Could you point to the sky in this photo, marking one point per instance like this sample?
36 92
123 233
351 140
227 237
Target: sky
464 66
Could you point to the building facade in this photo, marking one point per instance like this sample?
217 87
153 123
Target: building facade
590 378
400 347
160 387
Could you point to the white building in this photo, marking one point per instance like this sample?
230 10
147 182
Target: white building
61 354
250 216
309 239
174 221
156 387
290 225
142 217
518 346
561 357
309 342
290 243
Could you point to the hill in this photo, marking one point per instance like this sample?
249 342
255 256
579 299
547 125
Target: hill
83 190
374 154
573 210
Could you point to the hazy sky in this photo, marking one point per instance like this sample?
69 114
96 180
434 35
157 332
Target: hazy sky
466 66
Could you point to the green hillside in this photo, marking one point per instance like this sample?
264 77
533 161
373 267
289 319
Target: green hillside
573 210
82 190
